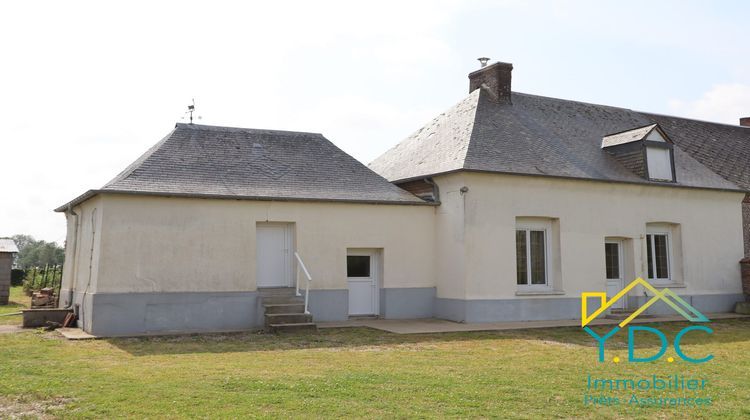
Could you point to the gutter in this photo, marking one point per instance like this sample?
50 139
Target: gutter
91 193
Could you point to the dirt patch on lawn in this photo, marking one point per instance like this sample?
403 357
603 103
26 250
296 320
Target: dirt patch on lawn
25 407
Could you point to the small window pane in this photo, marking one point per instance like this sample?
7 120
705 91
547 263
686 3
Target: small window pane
358 266
538 257
662 257
612 260
650 256
521 267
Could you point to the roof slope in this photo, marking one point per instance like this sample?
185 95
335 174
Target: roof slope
535 135
199 160
723 148
8 245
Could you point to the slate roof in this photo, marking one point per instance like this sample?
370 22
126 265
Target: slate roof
8 245
536 135
222 162
722 147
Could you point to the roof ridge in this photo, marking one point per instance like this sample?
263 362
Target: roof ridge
245 129
630 109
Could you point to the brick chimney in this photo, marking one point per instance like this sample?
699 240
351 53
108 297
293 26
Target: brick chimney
495 78
745 122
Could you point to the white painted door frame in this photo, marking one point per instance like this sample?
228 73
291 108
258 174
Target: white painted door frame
615 285
274 254
364 292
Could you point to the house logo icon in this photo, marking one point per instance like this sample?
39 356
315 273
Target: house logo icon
665 295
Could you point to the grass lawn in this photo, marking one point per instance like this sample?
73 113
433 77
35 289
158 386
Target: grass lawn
360 372
18 301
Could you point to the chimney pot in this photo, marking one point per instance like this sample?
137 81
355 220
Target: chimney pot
496 78
745 122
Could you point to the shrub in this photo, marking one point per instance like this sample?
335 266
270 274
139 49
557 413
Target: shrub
16 276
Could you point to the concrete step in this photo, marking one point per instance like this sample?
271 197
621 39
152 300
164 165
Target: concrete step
271 300
277 291
277 319
284 308
302 326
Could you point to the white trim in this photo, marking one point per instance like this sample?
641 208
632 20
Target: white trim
666 232
527 226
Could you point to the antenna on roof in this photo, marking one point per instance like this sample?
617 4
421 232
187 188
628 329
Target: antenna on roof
191 109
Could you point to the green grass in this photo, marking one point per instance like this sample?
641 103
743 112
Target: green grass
18 301
357 373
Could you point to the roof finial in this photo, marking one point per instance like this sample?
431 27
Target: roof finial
483 61
191 109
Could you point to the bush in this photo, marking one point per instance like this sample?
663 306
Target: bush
16 276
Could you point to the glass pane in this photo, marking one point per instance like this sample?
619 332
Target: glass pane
358 266
538 262
521 267
650 258
662 257
612 260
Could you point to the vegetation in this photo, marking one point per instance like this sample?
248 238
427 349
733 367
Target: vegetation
357 373
37 253
18 301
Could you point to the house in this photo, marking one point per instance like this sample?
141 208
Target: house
7 250
506 207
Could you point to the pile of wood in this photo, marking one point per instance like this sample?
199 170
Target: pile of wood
44 298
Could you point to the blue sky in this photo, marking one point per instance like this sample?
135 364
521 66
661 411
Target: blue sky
87 87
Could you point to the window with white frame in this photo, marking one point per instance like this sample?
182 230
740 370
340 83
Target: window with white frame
659 256
532 254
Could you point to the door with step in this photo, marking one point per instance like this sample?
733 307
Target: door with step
362 271
614 271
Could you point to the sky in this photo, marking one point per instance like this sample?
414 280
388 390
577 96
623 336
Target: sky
87 87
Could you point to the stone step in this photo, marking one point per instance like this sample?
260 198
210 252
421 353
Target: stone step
277 319
302 326
284 308
271 300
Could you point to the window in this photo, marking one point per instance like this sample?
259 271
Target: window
658 254
358 266
612 259
531 257
659 164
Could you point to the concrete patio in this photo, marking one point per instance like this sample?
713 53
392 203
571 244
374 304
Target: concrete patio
432 325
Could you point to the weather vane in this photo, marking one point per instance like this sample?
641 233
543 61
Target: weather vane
191 109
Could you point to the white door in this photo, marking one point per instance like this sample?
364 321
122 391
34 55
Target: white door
362 276
613 267
274 255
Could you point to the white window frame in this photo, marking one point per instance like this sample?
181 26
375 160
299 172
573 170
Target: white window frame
670 259
546 227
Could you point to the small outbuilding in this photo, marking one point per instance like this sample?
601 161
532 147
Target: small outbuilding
7 249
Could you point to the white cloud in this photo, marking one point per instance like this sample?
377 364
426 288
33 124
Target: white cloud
725 103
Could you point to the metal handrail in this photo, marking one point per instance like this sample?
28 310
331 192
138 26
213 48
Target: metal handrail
307 284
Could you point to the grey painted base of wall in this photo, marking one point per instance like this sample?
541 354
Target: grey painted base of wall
703 303
543 309
127 314
395 303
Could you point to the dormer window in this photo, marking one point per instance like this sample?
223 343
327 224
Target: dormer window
647 151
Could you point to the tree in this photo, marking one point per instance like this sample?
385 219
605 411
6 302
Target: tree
33 253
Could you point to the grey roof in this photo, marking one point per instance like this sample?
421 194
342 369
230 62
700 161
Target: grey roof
8 245
533 135
223 162
724 148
